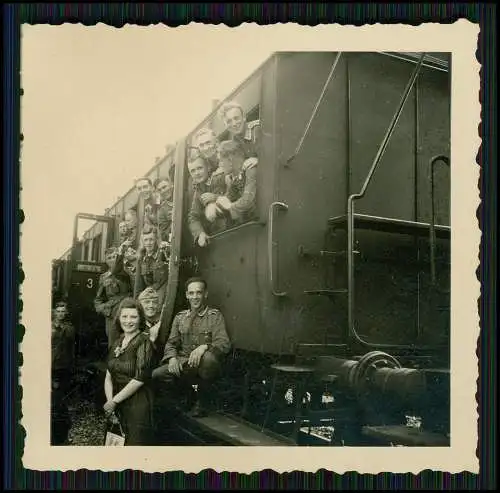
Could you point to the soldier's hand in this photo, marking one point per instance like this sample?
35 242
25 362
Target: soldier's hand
174 367
207 197
203 239
224 202
123 246
211 212
195 356
164 245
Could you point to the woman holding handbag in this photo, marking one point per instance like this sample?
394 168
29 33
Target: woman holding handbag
127 383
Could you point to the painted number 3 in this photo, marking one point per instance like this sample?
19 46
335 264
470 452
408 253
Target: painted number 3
90 283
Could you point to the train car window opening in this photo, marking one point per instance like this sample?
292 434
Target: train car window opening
96 248
86 249
253 114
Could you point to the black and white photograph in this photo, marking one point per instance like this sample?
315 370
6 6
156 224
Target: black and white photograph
236 242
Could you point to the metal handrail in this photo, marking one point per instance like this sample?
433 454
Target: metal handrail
315 110
432 229
357 196
270 244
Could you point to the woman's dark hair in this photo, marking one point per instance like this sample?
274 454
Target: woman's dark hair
130 303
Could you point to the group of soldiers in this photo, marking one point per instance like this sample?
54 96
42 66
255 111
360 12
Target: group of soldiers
223 194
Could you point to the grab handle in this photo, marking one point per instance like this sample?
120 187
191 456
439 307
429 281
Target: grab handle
270 244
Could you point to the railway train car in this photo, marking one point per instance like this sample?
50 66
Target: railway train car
337 296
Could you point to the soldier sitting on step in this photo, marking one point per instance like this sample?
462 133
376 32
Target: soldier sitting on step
197 343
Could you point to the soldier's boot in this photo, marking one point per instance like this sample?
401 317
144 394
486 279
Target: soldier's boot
202 405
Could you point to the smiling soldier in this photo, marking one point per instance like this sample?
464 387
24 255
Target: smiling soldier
246 134
197 343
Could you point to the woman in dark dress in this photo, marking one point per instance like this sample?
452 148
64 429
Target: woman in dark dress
127 383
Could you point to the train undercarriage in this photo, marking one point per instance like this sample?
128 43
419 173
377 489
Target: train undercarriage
370 400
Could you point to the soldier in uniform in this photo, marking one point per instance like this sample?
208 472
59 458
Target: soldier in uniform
123 232
114 286
63 355
149 301
131 220
246 134
204 216
206 142
195 347
165 190
145 188
152 264
241 181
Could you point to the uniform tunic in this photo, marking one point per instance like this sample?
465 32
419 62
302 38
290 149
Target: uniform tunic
152 271
242 192
192 330
165 219
134 363
249 139
114 286
203 194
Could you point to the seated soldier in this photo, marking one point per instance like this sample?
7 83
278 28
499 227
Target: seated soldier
204 216
195 347
205 141
152 264
244 133
241 182
114 286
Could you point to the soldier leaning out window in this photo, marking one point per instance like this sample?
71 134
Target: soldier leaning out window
240 199
204 218
246 134
131 220
145 188
165 190
205 141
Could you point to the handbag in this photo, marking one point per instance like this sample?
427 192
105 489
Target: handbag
115 439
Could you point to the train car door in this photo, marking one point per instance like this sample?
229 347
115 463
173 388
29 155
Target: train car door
82 290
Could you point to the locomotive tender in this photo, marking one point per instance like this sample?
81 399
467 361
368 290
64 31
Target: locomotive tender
344 278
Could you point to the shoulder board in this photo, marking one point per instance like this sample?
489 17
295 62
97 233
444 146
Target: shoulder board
182 313
213 311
